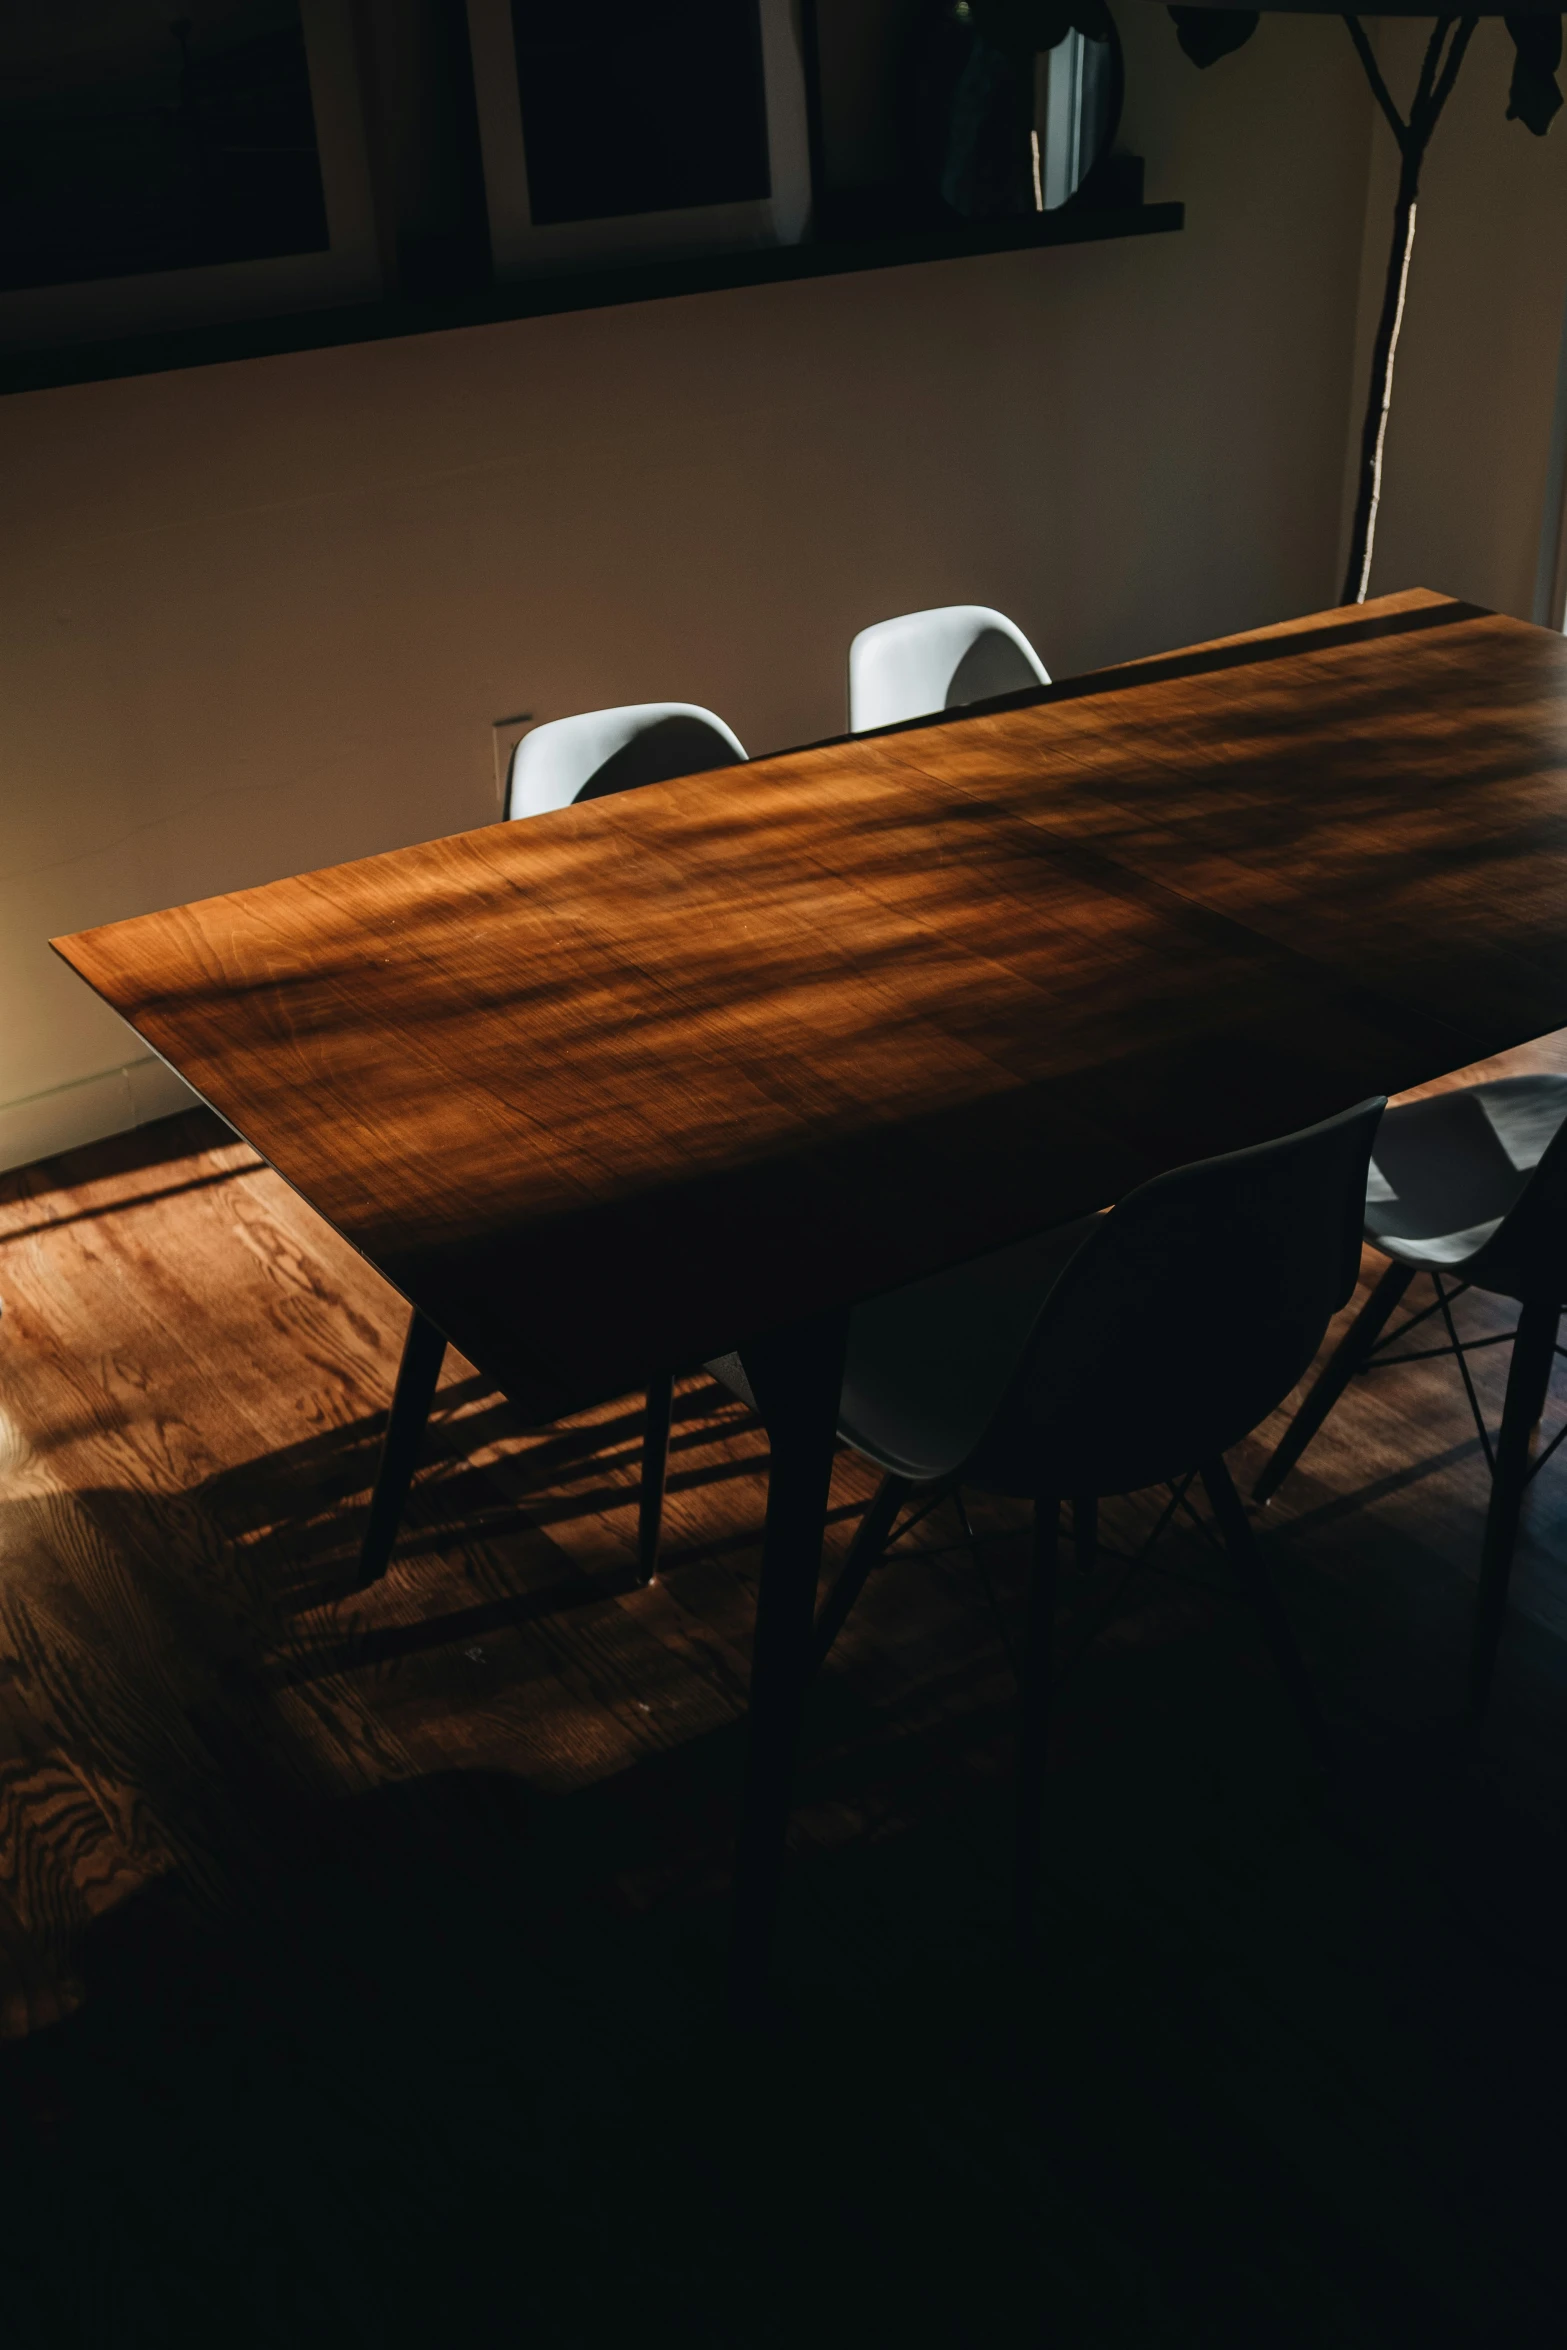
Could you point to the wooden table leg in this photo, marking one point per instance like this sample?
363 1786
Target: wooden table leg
796 1376
655 1468
1528 1384
424 1351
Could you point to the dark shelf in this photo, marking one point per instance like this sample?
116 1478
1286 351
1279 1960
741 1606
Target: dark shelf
369 322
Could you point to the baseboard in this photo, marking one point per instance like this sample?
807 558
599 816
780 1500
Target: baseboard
89 1108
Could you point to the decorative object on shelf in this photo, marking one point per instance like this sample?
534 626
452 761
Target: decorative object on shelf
1023 97
1208 32
627 130
157 170
928 113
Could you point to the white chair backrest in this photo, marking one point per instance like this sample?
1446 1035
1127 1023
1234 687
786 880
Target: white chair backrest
603 751
923 662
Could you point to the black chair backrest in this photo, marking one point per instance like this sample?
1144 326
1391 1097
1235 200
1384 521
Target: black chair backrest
1526 1256
1186 1317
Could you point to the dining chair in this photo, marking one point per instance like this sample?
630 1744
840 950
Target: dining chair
559 765
1468 1188
597 752
1125 1350
924 662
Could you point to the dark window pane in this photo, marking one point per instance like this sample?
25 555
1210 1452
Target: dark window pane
132 139
640 105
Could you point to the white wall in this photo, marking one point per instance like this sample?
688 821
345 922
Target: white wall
258 618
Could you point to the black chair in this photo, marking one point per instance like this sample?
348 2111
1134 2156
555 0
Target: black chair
1126 1350
1470 1189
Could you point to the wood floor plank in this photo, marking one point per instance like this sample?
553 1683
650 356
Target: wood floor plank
505 1741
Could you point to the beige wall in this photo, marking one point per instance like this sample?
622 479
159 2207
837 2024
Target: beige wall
260 617
1475 385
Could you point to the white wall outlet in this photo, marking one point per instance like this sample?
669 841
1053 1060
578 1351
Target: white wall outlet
508 733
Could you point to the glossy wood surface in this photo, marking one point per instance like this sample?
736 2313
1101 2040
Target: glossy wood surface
620 1086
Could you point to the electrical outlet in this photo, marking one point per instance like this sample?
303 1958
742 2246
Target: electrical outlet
508 733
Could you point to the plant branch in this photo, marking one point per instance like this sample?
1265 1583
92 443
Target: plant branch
1455 58
1438 73
1379 87
1428 68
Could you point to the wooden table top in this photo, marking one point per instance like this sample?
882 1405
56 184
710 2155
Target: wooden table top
606 1091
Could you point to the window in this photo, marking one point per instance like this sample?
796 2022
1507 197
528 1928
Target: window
156 167
621 129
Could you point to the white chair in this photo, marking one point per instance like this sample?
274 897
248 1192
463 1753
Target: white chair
923 662
602 751
585 757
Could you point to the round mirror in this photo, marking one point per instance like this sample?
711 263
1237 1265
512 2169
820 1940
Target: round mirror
1017 104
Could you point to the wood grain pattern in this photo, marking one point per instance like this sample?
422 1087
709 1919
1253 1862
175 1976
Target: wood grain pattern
625 1084
347 1888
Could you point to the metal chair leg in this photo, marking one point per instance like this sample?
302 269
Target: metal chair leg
1034 1718
1346 1359
870 1540
424 1351
1241 1543
1534 1350
655 1464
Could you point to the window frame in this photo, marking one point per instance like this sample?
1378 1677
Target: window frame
347 269
519 249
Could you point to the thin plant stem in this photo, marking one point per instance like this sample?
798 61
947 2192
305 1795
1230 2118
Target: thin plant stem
1379 89
1438 73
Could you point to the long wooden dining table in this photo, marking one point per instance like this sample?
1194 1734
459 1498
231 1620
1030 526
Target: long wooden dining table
627 1086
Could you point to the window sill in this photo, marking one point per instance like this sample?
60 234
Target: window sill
366 322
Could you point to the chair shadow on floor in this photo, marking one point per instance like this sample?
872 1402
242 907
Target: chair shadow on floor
448 2055
300 1511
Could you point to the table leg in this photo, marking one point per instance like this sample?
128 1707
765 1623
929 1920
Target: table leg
655 1468
424 1351
796 1376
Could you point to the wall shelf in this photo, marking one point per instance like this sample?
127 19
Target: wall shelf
314 330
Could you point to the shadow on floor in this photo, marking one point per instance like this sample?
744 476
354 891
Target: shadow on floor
287 1504
445 2074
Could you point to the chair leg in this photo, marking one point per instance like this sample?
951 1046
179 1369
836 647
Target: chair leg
1246 1557
870 1540
1352 1350
424 1351
1534 1351
655 1464
1085 1531
1034 1718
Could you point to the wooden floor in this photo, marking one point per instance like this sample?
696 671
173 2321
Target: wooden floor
360 1949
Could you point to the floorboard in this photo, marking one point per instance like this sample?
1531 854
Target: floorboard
360 1949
